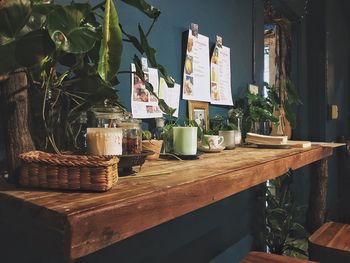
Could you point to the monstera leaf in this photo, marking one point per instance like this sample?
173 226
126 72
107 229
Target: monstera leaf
7 54
67 30
14 14
144 7
111 45
33 47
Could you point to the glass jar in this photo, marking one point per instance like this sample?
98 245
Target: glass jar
132 136
108 116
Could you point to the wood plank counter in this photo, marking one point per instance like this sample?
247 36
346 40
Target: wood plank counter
79 223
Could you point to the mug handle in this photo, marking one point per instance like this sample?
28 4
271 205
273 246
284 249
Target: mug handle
221 140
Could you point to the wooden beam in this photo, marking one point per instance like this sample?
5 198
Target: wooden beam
14 105
316 213
88 222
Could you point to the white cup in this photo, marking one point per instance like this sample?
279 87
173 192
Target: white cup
229 139
104 141
213 141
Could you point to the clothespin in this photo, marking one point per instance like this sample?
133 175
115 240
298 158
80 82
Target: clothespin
219 41
194 29
144 63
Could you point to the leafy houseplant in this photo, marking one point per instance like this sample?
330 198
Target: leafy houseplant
254 109
151 144
285 98
71 56
283 234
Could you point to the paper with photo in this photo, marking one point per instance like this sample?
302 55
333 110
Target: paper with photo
143 104
171 96
196 78
220 85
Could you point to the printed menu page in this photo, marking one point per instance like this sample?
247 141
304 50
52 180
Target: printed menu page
196 78
171 96
220 86
143 104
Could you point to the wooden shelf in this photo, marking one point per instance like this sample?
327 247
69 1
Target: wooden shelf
81 223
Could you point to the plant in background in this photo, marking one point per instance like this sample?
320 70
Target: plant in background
72 55
283 234
215 123
260 109
254 109
285 97
167 133
146 135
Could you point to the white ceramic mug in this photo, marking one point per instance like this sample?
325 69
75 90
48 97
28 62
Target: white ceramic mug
213 141
229 139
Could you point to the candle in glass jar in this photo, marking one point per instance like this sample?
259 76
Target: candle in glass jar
104 141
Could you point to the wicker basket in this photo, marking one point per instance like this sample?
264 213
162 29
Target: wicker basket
73 172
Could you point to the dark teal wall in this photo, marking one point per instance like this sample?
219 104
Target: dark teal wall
230 19
220 232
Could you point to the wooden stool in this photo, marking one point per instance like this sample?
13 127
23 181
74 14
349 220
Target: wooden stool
261 257
330 243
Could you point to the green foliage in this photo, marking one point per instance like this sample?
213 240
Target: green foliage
228 126
111 45
287 97
87 41
218 123
146 135
14 15
283 234
148 9
251 109
68 30
260 109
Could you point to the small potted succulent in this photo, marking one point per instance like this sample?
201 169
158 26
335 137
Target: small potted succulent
148 143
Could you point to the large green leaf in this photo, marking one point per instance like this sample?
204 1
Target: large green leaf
111 44
149 51
14 14
144 7
44 9
67 31
151 55
33 47
168 79
7 55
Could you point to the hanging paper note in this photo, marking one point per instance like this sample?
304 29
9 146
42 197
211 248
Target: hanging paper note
196 78
220 85
143 104
171 96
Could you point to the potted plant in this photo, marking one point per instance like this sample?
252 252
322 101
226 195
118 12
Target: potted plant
283 234
71 56
284 98
148 143
235 116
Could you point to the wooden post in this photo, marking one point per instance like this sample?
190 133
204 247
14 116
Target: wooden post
318 193
14 103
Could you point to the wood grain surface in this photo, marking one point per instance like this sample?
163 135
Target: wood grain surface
332 235
260 257
161 191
